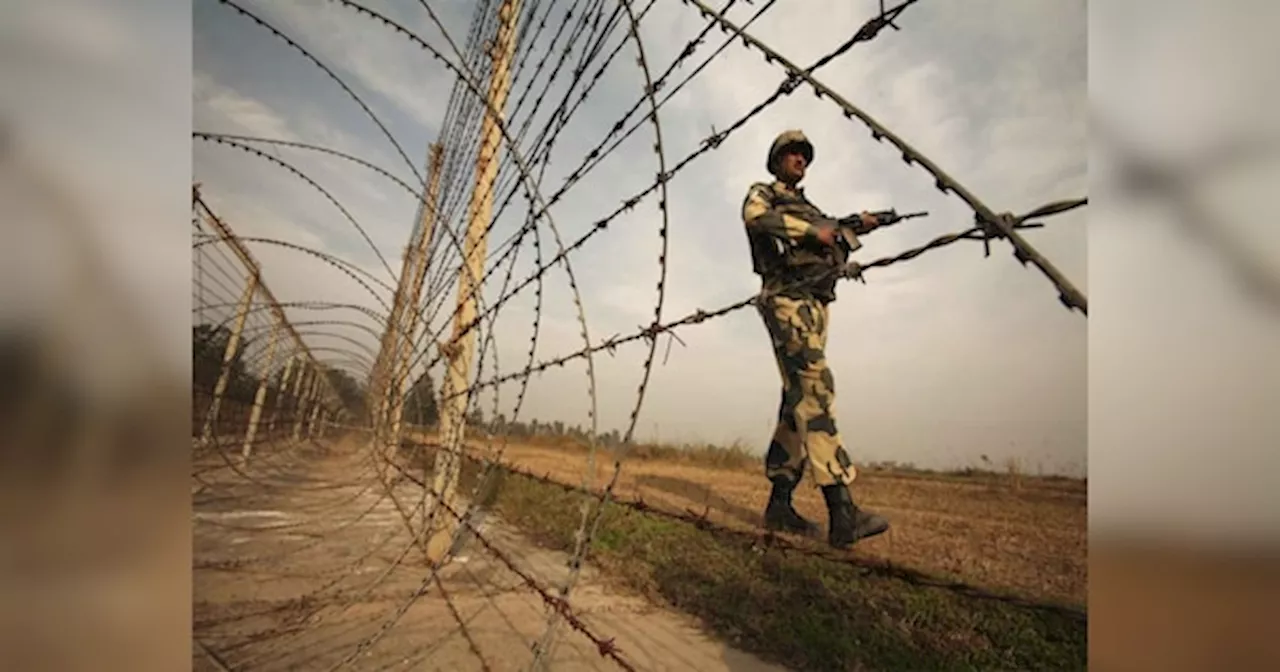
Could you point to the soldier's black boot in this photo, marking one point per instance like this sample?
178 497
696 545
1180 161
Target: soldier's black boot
780 516
848 523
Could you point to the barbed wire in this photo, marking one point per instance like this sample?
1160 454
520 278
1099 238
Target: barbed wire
339 465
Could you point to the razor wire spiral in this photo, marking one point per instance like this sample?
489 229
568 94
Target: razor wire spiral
279 400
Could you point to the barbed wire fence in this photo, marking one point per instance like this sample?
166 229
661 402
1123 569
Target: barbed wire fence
361 516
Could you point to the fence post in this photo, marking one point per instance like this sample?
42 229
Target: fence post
260 397
460 349
280 396
324 424
301 396
316 405
426 232
228 356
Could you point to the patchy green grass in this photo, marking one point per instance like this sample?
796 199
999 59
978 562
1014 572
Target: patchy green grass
803 612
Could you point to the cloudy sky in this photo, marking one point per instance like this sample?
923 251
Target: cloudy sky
937 361
1182 365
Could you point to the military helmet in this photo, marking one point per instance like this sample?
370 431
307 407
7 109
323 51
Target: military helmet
786 140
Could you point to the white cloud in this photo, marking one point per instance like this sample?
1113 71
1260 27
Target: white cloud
387 65
245 116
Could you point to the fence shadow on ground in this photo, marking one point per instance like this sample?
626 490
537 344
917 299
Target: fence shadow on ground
700 495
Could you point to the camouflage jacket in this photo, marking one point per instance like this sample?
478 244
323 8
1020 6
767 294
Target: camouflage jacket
782 227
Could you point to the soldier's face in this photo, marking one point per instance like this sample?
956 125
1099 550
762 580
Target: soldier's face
792 165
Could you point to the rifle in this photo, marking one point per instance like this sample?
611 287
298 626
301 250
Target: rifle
883 217
850 269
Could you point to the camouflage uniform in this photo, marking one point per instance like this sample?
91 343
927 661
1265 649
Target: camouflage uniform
797 287
781 226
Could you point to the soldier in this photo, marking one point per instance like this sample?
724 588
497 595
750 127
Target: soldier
795 248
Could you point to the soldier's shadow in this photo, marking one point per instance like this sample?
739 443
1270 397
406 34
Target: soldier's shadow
700 497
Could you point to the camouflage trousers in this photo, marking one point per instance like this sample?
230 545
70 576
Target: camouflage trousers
806 432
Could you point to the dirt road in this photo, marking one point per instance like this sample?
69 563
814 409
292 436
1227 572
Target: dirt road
302 563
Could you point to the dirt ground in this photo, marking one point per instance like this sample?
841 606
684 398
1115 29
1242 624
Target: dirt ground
300 562
1029 538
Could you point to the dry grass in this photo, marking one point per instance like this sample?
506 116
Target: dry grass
1013 473
735 456
813 613
1010 531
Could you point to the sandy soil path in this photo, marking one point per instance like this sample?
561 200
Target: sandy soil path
310 566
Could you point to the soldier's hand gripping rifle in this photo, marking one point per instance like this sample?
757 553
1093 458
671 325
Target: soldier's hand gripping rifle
847 229
883 218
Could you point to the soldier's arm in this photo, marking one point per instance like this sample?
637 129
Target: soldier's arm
758 214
